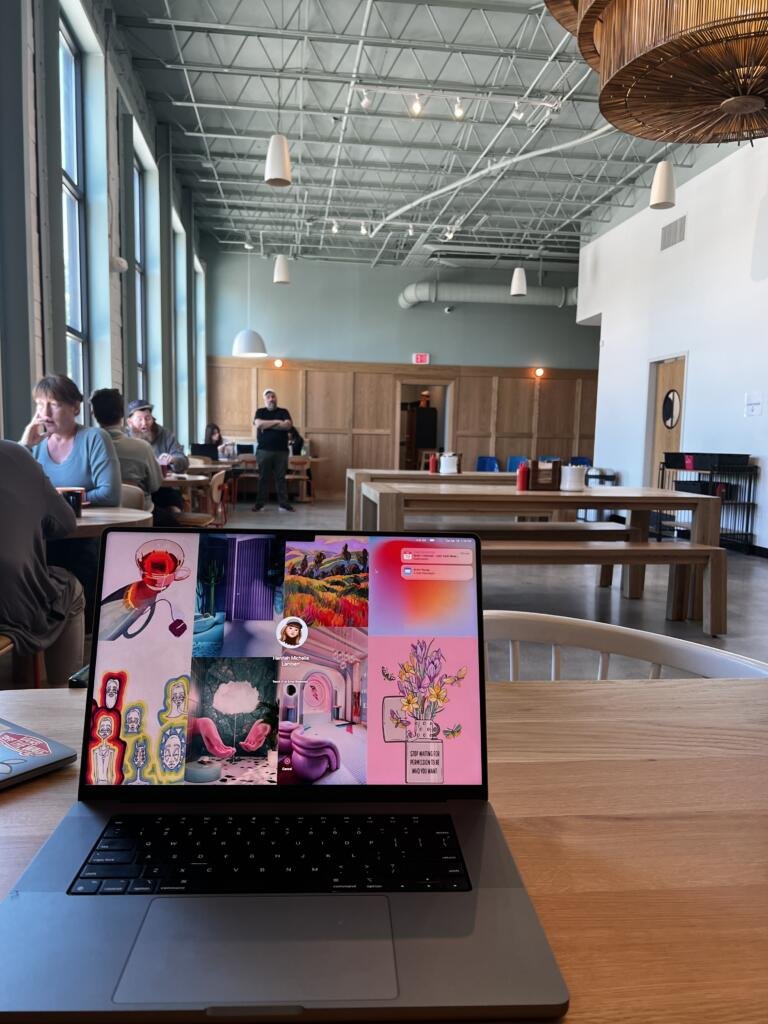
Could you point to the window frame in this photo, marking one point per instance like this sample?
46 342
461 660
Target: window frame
140 276
77 191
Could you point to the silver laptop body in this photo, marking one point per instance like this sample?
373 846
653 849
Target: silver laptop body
287 669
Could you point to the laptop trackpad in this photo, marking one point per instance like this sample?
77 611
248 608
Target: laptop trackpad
214 951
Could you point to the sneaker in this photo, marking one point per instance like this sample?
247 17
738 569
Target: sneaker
286 508
257 507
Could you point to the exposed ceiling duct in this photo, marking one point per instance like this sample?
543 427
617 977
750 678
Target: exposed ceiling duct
458 291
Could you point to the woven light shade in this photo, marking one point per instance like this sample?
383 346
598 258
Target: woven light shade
685 71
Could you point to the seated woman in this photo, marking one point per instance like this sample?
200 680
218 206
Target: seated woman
213 435
71 455
41 607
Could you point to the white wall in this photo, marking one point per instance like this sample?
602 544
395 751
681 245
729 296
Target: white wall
706 298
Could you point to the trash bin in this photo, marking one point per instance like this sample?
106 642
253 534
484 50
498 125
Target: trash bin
598 477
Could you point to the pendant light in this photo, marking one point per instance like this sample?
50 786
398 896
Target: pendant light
282 274
663 188
519 283
249 342
277 170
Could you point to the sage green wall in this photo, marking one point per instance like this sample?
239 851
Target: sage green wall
350 312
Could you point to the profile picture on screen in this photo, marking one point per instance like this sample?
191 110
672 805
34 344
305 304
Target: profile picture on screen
291 632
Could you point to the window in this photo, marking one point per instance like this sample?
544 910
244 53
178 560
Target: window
140 267
73 207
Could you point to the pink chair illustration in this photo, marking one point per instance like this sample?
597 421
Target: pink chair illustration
313 756
206 728
256 736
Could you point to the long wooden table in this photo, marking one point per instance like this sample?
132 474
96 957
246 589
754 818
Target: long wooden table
637 813
385 506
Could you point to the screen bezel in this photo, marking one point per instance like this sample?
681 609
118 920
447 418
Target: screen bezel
271 795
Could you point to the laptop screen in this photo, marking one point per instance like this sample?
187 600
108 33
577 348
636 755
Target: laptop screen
285 659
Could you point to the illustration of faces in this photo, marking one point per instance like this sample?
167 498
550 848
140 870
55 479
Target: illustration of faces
112 684
175 694
104 728
133 719
292 632
111 692
172 750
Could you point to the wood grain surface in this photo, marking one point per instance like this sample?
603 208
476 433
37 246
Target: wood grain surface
638 816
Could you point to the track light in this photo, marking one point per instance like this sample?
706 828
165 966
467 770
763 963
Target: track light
663 187
416 107
517 112
282 274
277 169
448 233
363 228
410 230
366 101
458 109
334 228
519 283
248 246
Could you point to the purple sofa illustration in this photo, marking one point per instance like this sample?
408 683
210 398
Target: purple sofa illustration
312 756
284 745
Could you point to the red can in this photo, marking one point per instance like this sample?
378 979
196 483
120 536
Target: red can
523 476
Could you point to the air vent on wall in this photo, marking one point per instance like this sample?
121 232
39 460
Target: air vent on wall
672 234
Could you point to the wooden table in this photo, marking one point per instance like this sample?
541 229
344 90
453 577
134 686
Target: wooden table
189 482
357 477
386 505
637 813
94 520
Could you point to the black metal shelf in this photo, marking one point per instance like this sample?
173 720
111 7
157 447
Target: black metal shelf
738 512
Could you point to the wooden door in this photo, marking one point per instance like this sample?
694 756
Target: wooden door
667 412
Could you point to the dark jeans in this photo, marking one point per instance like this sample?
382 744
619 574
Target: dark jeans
272 464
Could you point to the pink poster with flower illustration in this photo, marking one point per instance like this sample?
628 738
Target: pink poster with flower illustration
423 711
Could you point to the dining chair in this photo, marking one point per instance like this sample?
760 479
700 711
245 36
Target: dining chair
487 464
219 497
131 496
37 660
514 462
606 641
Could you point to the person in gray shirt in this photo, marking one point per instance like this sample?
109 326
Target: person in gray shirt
41 606
138 465
142 424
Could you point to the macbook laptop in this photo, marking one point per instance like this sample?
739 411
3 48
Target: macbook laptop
282 810
208 451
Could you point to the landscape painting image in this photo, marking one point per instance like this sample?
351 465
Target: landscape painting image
326 581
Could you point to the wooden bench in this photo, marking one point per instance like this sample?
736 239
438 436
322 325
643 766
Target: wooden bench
680 556
537 531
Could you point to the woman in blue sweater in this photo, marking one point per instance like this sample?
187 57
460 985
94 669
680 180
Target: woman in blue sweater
71 455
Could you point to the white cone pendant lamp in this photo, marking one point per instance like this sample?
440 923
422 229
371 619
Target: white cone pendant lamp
663 187
249 343
519 283
277 170
282 274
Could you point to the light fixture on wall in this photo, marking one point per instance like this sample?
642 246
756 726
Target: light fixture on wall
277 170
539 371
282 274
278 363
519 284
663 187
249 342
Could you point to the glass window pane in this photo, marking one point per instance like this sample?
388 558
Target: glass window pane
75 368
68 104
141 382
138 216
140 352
72 270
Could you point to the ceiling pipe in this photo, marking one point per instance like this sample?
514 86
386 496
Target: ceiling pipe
457 291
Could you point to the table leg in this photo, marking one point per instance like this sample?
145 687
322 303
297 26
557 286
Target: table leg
678 590
705 529
633 576
715 610
605 576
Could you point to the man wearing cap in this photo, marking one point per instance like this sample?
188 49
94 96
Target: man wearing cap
142 424
272 425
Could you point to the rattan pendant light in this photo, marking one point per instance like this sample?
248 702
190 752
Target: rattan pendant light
676 70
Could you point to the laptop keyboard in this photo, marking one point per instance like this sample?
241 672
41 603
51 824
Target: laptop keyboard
176 854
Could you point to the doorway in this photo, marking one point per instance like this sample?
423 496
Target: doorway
668 389
423 422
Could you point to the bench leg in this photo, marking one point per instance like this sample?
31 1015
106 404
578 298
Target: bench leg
678 589
605 577
633 576
715 611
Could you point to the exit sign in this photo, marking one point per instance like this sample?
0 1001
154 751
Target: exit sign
420 357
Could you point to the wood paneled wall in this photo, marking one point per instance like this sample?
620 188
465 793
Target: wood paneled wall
350 411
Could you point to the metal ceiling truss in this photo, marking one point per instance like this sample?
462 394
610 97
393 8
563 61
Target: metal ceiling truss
227 75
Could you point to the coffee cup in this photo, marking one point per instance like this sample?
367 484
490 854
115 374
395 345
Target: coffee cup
74 497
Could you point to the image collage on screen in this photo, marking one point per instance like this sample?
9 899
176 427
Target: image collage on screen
248 659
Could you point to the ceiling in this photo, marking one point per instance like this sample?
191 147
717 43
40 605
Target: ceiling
226 74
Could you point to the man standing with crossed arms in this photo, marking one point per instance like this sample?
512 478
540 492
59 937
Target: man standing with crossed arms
272 426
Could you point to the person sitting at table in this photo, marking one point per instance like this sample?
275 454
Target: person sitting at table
213 435
142 424
71 455
138 465
41 606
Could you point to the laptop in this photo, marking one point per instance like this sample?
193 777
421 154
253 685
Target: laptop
207 451
282 809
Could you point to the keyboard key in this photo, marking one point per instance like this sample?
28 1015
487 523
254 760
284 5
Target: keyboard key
142 887
114 887
86 887
111 871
